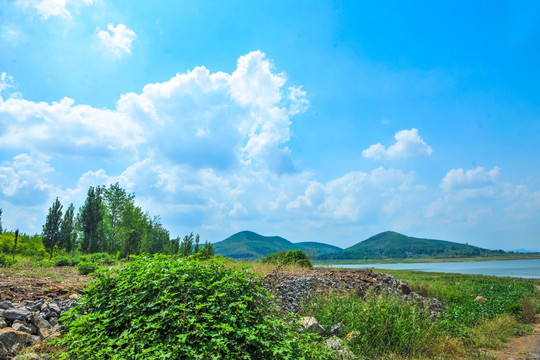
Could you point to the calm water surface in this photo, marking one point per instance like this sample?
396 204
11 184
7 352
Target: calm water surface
515 268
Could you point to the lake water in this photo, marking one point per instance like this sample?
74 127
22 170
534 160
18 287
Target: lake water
516 268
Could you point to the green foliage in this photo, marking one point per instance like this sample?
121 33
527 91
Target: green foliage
163 308
292 257
51 229
67 227
26 245
389 245
64 260
86 268
1 230
5 261
381 324
249 245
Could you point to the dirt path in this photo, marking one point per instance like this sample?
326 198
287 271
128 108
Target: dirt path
525 347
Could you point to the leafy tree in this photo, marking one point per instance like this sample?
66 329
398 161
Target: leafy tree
1 231
51 229
91 221
67 230
134 230
186 246
117 202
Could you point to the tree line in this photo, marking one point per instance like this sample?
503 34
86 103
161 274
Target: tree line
110 222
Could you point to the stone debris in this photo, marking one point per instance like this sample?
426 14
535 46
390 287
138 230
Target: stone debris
480 298
27 323
312 325
292 289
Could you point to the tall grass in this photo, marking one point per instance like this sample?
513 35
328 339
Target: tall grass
378 325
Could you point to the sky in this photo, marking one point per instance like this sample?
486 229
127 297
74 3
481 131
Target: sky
325 121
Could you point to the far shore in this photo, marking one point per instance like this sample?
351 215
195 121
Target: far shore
429 260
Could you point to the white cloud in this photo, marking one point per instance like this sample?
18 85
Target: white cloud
470 180
48 8
408 144
117 40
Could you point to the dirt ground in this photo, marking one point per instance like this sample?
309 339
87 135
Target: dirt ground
525 347
17 285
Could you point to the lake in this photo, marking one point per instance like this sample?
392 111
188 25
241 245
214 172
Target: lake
516 268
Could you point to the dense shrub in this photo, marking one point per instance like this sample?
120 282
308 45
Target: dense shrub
291 257
164 308
85 268
5 261
64 260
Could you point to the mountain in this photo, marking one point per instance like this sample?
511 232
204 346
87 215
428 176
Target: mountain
391 244
250 245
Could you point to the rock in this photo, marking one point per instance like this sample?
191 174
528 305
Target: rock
404 287
481 298
20 326
13 341
16 314
337 329
312 325
75 296
3 323
54 307
6 305
334 343
40 322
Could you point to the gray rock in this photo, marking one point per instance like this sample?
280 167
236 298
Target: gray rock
6 305
312 325
16 314
341 351
337 329
54 307
13 341
19 326
40 322
3 323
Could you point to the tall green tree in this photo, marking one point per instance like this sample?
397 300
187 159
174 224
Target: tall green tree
1 231
51 229
134 227
186 246
91 221
117 202
67 229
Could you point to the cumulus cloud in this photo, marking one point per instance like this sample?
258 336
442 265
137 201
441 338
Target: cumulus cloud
116 40
459 179
408 144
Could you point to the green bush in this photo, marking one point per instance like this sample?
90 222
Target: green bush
5 261
163 308
85 268
63 260
291 257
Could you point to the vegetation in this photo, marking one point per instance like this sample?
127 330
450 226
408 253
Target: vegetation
387 326
250 245
163 308
291 257
389 244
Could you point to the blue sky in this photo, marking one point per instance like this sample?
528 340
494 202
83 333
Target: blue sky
312 120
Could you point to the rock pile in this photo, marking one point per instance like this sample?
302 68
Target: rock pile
291 289
27 323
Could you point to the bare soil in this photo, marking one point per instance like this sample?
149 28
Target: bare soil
17 285
525 347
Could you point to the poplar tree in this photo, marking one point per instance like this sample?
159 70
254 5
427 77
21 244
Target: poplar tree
1 231
91 221
51 229
66 230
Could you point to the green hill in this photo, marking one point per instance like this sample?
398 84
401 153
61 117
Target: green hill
390 244
250 245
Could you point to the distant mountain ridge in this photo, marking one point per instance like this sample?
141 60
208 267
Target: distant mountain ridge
386 245
250 245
